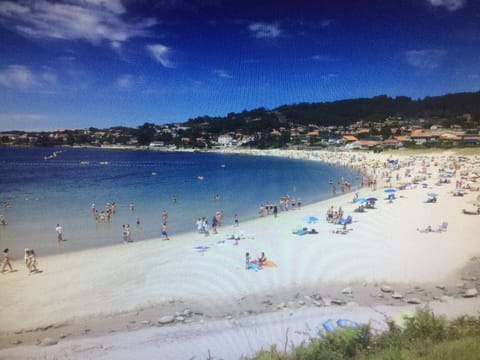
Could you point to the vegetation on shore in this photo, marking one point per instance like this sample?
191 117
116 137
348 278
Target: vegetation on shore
295 125
423 335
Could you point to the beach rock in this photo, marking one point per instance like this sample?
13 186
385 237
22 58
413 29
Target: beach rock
414 300
338 302
167 319
16 342
352 304
301 302
386 289
317 303
446 298
397 295
317 297
380 296
347 291
441 287
470 293
327 302
48 342
187 312
267 302
180 318
145 322
469 278
460 285
228 317
281 306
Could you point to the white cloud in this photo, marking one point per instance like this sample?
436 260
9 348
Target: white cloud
125 81
263 30
91 20
222 73
22 78
451 5
161 54
426 58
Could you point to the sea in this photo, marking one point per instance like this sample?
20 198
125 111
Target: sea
43 187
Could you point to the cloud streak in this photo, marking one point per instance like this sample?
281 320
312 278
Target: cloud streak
94 21
428 59
161 54
450 5
261 30
20 77
222 73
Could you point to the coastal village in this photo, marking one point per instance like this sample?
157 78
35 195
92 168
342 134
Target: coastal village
392 133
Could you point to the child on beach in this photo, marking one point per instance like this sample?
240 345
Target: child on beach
6 261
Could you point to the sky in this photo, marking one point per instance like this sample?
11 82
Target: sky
74 64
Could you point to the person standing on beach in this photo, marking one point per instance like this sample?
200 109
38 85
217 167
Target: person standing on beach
59 232
6 261
235 220
164 232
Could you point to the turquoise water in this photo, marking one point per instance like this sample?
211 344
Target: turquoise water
41 193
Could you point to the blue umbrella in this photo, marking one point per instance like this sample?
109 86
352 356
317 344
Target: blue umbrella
362 200
390 190
372 199
432 194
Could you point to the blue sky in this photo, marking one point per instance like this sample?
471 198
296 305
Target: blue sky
102 63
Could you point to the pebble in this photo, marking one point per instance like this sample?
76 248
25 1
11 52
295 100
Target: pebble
386 289
470 292
48 342
317 303
397 295
347 291
415 301
167 319
281 306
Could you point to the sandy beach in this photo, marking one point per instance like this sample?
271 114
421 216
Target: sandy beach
154 297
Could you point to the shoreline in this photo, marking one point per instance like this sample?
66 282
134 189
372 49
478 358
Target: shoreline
143 281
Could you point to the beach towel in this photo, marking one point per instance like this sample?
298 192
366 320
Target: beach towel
270 264
344 323
201 248
253 266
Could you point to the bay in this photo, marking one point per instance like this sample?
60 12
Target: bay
39 190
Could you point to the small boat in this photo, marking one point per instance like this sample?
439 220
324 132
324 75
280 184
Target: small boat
84 162
154 173
103 162
200 177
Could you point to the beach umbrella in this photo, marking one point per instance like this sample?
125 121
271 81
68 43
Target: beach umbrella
372 199
390 190
362 200
432 194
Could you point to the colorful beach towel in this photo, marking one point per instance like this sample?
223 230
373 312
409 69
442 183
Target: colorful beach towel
270 264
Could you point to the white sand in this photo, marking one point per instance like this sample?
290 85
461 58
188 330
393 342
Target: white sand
383 247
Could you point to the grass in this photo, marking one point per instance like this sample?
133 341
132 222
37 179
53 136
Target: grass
424 336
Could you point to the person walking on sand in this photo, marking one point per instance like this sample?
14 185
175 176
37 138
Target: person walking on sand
164 232
6 261
31 260
59 232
